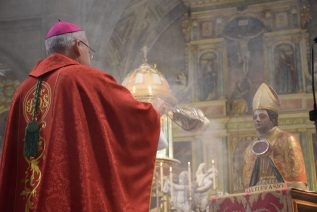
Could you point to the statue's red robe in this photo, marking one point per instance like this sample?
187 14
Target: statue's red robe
97 143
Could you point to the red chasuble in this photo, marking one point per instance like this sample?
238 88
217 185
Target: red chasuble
97 143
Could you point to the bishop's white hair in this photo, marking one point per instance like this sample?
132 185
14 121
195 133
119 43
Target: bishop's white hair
60 43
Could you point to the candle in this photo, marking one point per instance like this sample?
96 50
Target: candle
171 180
150 90
189 179
161 175
214 174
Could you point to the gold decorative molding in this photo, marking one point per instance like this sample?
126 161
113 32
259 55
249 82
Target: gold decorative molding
277 35
205 3
205 27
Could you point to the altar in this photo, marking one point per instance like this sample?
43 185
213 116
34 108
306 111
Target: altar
288 199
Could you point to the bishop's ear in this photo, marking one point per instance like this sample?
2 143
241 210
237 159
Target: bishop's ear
76 47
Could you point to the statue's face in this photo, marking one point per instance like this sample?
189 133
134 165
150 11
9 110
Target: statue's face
262 121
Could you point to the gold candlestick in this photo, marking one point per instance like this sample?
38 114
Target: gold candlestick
161 175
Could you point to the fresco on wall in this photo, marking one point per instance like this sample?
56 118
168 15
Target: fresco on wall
244 36
286 79
239 101
208 76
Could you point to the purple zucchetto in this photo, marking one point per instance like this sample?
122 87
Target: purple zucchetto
62 27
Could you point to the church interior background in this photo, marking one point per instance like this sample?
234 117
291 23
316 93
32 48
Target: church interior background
213 53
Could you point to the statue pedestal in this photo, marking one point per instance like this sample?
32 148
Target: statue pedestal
278 200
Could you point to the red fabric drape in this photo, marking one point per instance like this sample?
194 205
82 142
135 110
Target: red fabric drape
97 144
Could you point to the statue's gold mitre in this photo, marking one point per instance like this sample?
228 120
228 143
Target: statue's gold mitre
266 98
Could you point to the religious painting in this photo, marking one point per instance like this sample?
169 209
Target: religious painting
237 147
219 26
244 44
240 100
281 20
206 29
183 153
286 76
208 76
195 30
